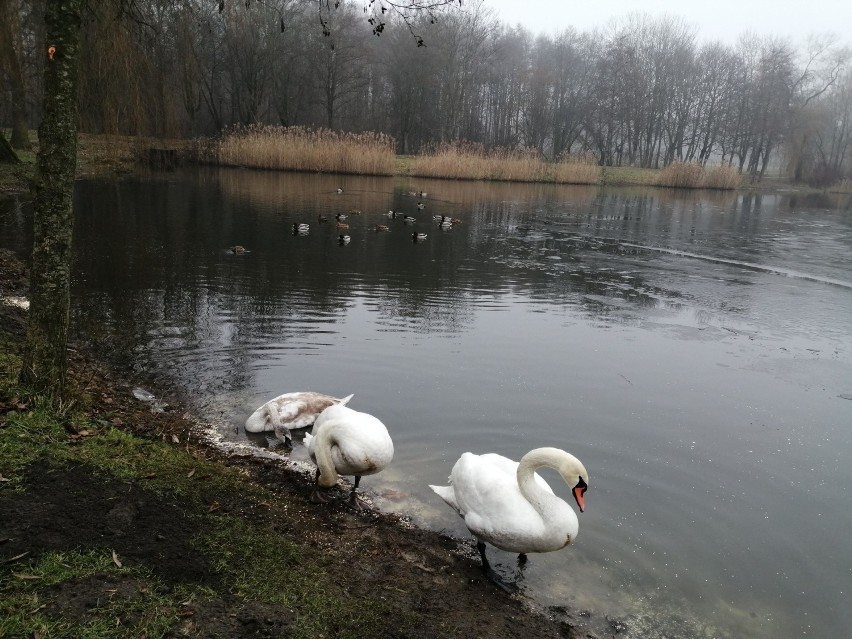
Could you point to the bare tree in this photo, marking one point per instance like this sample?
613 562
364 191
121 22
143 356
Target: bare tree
12 66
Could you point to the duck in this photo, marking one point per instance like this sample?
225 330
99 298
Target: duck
342 226
446 224
322 219
237 250
339 190
347 442
421 206
290 411
355 212
343 239
382 228
408 219
301 228
341 216
423 194
393 214
418 237
506 504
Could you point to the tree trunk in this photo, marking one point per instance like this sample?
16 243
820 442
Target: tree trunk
7 153
11 47
45 358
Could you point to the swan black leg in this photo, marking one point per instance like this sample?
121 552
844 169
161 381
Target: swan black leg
493 577
353 499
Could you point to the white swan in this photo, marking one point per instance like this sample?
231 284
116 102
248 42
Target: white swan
346 442
290 411
508 505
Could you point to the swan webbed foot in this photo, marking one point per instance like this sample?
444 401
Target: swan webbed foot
355 503
508 587
318 497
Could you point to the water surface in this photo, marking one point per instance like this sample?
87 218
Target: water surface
693 349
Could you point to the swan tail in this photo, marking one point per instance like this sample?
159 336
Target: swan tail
345 400
448 495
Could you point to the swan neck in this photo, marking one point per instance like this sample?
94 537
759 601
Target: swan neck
527 467
322 454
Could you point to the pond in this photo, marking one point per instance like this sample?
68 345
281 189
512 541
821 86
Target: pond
694 350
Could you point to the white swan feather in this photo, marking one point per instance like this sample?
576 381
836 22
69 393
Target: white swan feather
507 504
291 411
347 442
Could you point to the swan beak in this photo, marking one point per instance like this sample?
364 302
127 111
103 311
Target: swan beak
579 494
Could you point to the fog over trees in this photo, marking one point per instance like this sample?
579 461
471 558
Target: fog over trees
641 91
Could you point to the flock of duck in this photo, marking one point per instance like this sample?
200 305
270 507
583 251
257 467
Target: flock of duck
502 502
341 220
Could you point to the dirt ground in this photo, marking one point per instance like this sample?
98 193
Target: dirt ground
71 507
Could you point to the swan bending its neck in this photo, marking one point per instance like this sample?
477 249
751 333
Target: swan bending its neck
347 442
506 504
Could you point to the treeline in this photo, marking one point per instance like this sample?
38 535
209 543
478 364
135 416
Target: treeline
643 91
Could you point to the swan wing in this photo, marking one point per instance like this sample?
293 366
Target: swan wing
486 493
360 443
291 410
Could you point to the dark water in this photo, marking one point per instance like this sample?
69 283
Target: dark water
693 349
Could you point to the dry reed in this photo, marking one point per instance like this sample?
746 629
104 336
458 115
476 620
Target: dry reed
689 175
302 149
474 162
722 177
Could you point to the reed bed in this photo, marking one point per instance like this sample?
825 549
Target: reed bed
844 186
467 161
303 149
689 175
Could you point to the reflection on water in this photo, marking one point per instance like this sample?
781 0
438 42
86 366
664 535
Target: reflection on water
693 349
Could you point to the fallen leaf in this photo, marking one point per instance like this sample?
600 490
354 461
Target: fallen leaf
21 575
36 634
32 612
4 478
175 439
115 559
16 557
149 476
191 473
214 506
117 421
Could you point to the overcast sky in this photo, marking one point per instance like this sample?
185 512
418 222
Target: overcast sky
716 20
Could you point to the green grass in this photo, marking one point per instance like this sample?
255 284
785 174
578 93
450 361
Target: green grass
264 566
252 560
27 591
629 176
